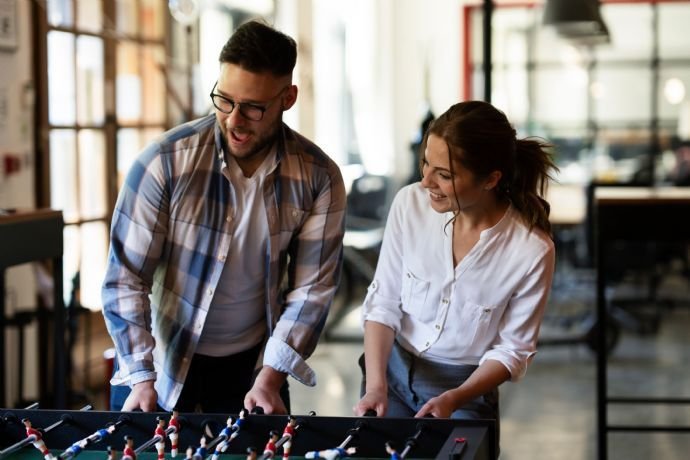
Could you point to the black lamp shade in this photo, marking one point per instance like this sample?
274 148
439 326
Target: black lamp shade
578 20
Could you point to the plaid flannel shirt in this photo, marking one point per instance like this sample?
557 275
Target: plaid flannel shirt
170 235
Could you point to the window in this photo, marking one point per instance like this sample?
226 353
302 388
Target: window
102 97
610 107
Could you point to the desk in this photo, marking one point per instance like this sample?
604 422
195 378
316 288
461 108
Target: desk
28 236
632 214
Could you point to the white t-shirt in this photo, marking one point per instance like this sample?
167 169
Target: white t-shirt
489 306
236 319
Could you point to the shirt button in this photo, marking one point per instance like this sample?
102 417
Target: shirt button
210 292
427 344
487 310
228 219
438 327
445 301
409 276
222 257
294 213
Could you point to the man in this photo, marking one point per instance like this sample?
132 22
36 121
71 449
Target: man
211 219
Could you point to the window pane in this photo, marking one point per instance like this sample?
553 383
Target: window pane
674 40
126 17
94 250
556 88
153 104
509 92
60 12
613 90
511 27
128 83
674 88
90 108
92 184
630 29
89 16
551 48
130 142
61 85
63 173
152 17
70 258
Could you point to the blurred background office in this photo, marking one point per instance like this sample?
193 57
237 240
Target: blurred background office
85 84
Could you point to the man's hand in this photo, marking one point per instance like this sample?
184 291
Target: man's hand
266 392
143 396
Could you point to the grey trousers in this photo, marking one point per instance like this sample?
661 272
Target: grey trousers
412 381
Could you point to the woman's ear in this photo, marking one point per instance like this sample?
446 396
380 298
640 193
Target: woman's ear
492 180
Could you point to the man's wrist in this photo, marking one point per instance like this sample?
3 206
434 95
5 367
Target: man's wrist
270 378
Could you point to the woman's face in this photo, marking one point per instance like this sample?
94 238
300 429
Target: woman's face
449 189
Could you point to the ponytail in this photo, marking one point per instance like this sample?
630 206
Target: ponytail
526 189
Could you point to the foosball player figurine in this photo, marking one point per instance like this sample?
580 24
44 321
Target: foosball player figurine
251 453
160 433
288 434
270 448
225 434
190 453
128 452
331 454
174 432
200 453
37 439
230 432
392 452
75 449
111 453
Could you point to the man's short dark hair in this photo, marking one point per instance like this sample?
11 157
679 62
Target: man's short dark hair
257 47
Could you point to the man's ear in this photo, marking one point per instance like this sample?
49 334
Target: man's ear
290 97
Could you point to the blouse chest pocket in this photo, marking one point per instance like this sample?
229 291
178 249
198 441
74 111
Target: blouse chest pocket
476 320
415 297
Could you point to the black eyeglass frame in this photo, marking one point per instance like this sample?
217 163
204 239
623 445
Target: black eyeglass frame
250 105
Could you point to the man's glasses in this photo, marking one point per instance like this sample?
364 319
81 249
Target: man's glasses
248 110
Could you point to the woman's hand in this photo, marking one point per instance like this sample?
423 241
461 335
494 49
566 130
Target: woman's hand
376 400
442 406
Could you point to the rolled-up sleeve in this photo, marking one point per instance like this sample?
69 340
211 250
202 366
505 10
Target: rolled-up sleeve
516 343
315 255
382 302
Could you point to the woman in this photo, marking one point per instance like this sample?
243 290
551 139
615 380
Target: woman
464 272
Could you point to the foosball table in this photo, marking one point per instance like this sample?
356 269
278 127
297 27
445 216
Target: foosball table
29 434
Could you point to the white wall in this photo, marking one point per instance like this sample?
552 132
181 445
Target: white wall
427 40
17 190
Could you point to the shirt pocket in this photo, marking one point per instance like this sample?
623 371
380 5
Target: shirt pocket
291 220
475 320
415 297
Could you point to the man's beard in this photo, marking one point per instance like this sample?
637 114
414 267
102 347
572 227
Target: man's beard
262 143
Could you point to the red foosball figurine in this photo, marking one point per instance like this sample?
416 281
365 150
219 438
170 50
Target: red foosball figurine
288 434
160 432
270 448
128 452
174 432
37 439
